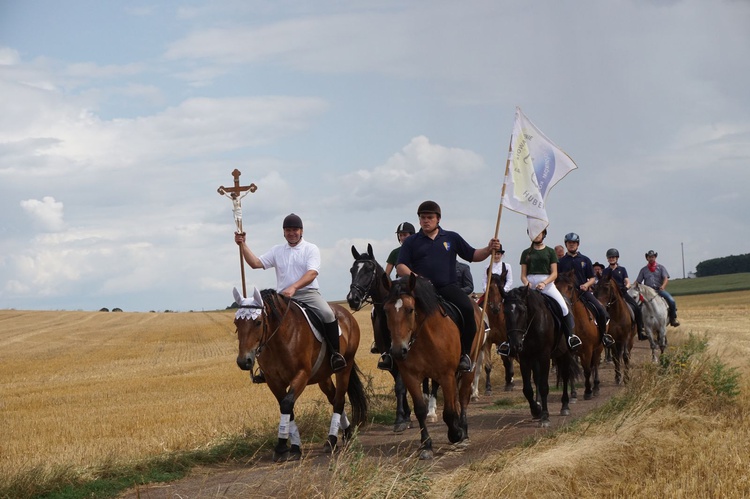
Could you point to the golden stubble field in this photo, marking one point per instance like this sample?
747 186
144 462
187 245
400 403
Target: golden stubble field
81 388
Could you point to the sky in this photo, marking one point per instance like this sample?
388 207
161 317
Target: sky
121 119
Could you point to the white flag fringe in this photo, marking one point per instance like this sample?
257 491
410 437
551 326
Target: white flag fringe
536 165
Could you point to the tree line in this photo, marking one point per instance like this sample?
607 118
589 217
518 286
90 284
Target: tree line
724 265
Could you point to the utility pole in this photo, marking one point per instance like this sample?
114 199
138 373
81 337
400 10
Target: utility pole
682 248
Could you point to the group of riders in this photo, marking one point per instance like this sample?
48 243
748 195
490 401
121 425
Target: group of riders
432 253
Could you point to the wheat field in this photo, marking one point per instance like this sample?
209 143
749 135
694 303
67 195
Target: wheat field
81 388
78 389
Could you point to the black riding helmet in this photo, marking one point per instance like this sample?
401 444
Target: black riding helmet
613 253
429 207
292 221
572 237
404 227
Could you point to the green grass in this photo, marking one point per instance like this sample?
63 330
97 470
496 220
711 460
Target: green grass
711 284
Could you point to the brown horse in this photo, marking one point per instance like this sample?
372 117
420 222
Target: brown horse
622 326
274 330
591 347
493 302
426 344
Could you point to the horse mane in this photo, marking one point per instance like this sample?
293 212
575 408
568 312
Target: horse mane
425 296
271 299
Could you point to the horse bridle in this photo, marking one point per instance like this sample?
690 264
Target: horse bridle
367 292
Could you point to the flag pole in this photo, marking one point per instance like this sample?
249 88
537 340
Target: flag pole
492 255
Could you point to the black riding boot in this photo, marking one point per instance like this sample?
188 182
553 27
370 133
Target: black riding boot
673 318
568 328
331 331
606 338
464 364
639 323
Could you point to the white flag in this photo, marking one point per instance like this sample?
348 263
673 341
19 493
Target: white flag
536 165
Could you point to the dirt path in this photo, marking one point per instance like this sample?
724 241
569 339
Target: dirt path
491 429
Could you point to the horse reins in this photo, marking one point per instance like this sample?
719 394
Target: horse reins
367 292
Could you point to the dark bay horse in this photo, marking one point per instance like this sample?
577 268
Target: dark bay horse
591 348
534 336
367 286
493 303
426 344
274 331
622 326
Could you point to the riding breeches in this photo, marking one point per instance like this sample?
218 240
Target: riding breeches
550 290
313 299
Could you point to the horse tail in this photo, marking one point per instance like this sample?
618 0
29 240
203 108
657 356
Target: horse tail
357 396
567 364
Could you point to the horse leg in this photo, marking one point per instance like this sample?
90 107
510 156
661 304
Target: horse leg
508 365
420 411
336 396
475 383
617 355
541 377
286 406
586 358
432 402
528 390
450 411
564 364
403 412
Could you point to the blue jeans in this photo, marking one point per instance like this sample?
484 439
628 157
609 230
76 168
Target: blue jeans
670 303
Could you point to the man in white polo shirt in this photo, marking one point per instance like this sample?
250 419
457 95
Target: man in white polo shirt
297 265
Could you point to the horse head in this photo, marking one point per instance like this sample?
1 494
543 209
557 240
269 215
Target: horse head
410 301
496 293
249 323
566 283
516 311
364 273
606 290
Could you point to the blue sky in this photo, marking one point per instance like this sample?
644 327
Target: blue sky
121 119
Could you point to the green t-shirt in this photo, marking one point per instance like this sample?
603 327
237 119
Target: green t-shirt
393 257
538 261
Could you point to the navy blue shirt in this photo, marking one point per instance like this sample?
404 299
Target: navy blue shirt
619 275
435 259
582 265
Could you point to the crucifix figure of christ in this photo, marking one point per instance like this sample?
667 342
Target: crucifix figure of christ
236 193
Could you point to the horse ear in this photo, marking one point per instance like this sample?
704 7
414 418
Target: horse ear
369 251
386 281
237 296
412 281
256 296
355 253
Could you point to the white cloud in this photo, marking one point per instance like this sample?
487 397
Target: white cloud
47 213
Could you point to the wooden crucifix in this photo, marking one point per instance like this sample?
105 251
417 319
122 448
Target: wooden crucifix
236 193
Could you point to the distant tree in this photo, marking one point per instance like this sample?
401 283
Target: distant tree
116 309
725 265
104 309
233 305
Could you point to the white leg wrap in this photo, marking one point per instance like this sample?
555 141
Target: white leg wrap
335 424
284 426
431 405
294 438
344 421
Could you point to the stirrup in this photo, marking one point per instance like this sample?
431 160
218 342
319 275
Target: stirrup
607 340
385 362
574 342
465 365
338 362
503 349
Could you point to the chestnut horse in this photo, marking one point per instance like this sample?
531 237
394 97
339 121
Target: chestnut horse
425 343
622 326
535 337
591 347
367 286
655 316
274 330
493 302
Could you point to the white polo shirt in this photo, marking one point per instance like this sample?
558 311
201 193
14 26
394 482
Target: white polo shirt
291 263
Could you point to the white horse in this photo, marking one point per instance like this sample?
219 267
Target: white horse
655 316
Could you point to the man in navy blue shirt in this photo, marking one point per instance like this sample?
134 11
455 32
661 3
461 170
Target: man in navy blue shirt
584 272
431 253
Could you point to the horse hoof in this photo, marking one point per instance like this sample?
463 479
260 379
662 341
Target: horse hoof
425 455
294 454
488 393
279 457
431 418
330 445
475 398
509 387
401 427
544 423
587 396
565 412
